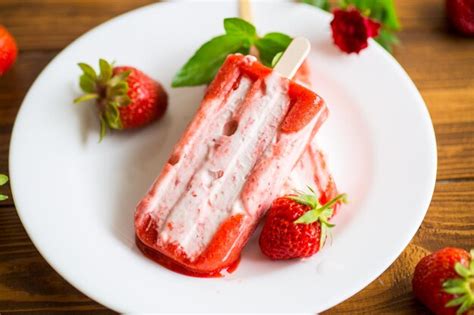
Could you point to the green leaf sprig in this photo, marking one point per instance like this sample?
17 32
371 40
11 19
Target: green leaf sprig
3 181
239 37
462 287
318 212
382 11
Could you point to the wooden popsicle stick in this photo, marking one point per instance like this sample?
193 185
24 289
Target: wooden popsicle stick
295 53
293 57
245 10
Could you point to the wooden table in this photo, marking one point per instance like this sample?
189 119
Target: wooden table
440 63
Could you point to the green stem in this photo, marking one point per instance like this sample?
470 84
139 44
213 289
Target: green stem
329 204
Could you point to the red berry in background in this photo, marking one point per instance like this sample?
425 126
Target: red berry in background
351 30
296 226
461 15
8 50
444 281
125 96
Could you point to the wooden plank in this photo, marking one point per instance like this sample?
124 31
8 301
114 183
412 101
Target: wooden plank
53 24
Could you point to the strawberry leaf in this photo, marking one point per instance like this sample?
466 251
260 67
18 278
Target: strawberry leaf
461 288
455 302
112 116
87 84
88 70
119 79
103 128
454 290
105 71
306 199
466 305
123 100
309 217
86 97
3 179
462 270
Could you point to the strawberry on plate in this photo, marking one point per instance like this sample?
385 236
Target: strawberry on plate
126 97
296 226
444 281
8 50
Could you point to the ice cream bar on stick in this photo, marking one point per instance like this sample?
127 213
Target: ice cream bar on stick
233 159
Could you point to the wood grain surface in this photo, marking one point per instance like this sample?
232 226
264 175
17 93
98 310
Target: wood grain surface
440 62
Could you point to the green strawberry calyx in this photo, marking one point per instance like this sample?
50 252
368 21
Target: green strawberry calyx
110 92
462 287
317 212
3 181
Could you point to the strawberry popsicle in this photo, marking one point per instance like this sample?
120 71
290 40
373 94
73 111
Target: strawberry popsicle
232 161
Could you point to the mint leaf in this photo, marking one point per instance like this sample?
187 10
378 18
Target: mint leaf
240 27
322 4
276 58
270 45
204 64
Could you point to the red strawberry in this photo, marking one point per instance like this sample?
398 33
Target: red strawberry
8 50
444 281
296 226
461 15
126 97
351 30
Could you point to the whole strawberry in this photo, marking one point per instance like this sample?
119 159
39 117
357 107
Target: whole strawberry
8 50
125 97
444 281
296 226
461 15
351 30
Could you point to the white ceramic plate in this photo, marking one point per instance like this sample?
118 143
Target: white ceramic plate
76 197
